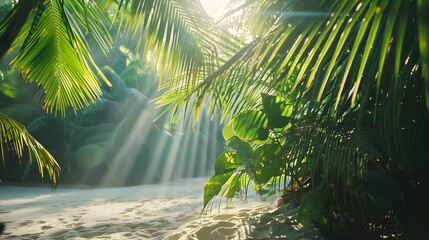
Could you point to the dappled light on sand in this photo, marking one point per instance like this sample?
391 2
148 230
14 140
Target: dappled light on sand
154 211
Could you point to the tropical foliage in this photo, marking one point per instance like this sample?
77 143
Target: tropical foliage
51 41
324 100
48 30
329 99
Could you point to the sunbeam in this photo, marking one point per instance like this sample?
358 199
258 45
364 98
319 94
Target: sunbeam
128 152
215 9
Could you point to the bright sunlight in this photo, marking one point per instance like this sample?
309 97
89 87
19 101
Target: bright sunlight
215 8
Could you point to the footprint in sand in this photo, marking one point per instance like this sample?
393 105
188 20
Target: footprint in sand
73 225
46 227
79 228
128 210
25 223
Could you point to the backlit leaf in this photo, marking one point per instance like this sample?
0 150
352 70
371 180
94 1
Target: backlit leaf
213 186
228 132
227 162
278 111
249 124
243 149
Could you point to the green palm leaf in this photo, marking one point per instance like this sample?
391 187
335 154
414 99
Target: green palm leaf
186 45
176 32
334 51
56 58
15 137
91 21
54 53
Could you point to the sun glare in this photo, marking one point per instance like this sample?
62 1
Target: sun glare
215 8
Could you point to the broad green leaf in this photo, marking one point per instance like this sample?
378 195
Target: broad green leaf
213 187
266 163
251 125
278 111
265 153
227 162
263 134
263 175
228 132
243 149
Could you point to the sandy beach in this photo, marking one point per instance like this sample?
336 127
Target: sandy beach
157 211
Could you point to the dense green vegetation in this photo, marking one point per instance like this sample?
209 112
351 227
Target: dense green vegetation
117 130
326 101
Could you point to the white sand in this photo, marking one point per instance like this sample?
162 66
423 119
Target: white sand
157 211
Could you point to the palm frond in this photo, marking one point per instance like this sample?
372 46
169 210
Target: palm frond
172 31
91 21
334 51
65 74
186 45
14 137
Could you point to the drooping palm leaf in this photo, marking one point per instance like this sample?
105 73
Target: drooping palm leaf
91 21
55 57
333 51
352 71
177 32
14 137
186 45
54 53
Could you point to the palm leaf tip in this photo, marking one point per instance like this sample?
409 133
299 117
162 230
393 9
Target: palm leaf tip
15 137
